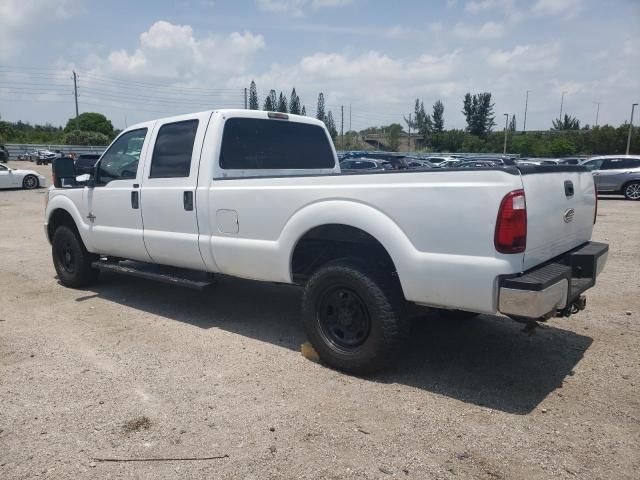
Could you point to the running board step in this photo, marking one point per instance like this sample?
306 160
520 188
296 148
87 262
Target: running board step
180 277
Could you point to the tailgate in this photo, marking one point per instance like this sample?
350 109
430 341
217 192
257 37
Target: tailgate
561 202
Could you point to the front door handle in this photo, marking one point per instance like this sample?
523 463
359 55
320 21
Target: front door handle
187 200
135 200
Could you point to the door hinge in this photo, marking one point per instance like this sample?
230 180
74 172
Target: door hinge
91 216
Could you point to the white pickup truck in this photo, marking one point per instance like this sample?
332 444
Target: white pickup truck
260 195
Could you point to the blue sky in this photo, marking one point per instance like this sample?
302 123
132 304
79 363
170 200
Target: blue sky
142 60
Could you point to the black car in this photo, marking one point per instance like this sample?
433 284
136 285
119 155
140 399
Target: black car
364 165
86 162
4 154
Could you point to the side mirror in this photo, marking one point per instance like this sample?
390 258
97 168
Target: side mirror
85 179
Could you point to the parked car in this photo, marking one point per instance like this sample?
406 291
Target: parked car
454 162
477 164
43 157
363 164
85 162
436 161
4 154
256 195
17 178
570 161
415 164
616 174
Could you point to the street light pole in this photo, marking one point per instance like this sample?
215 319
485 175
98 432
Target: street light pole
597 111
630 127
506 126
526 104
561 103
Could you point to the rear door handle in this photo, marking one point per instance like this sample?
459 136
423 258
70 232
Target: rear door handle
135 200
187 200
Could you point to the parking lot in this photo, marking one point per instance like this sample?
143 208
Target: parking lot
131 369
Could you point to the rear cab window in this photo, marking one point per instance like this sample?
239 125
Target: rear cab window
273 145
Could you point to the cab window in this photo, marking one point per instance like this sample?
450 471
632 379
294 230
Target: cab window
120 162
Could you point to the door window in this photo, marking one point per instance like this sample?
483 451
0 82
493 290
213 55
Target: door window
3 168
173 149
120 162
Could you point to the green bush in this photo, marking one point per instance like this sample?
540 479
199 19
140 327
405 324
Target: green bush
79 137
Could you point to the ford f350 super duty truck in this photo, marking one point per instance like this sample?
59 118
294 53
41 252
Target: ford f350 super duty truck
260 195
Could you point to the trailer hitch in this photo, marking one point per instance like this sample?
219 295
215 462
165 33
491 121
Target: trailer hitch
576 306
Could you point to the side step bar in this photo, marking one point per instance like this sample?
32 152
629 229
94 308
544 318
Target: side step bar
179 277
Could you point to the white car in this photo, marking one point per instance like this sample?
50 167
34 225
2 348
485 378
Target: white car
259 195
18 178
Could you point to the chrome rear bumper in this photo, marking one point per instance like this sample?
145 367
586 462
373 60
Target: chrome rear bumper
554 286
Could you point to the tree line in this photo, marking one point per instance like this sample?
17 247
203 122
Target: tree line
274 102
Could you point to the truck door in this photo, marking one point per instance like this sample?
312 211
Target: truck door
112 208
168 198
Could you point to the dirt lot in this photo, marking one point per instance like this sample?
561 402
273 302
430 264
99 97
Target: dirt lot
134 369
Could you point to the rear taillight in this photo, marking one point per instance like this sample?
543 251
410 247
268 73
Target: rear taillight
511 226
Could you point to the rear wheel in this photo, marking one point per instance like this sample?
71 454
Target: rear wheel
352 316
71 259
30 182
631 191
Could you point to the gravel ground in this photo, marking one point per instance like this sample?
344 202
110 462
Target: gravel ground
135 369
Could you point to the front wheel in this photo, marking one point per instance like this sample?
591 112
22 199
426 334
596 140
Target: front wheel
352 316
71 259
30 182
632 191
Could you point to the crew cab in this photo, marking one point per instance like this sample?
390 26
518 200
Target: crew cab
260 195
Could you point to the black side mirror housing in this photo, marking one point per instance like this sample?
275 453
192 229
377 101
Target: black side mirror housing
64 171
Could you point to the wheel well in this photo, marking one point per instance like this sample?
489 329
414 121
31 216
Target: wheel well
58 218
329 242
626 184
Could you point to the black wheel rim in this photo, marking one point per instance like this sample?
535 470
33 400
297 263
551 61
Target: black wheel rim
30 182
66 257
343 318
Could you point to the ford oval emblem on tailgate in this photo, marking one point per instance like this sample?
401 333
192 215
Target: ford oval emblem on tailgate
568 215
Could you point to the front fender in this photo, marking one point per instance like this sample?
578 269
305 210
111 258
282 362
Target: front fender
62 202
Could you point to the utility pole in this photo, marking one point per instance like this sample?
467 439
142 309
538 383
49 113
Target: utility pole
526 104
342 125
245 98
561 103
630 127
75 94
597 112
409 125
506 128
349 117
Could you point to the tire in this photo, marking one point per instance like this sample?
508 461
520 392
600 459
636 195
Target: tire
353 316
71 259
631 191
30 182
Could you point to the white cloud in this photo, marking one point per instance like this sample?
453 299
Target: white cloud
173 52
18 18
297 8
486 30
526 58
478 6
566 8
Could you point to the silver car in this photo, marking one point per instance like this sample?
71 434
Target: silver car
616 174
